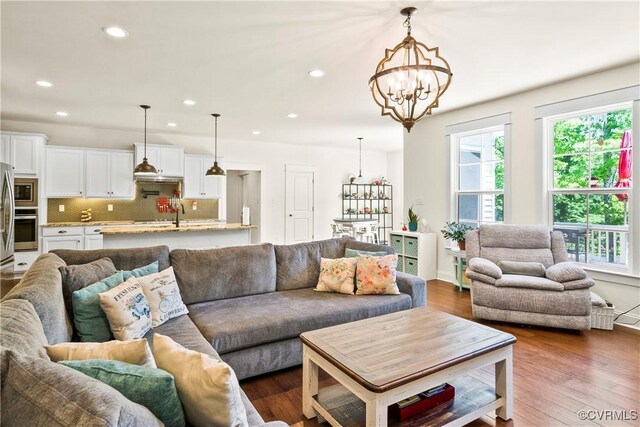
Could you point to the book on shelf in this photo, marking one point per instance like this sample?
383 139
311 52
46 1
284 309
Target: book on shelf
421 402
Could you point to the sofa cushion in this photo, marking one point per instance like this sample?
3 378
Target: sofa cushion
332 248
485 267
123 259
528 282
214 274
163 296
136 352
141 271
51 394
90 321
42 287
369 247
21 330
579 284
76 277
208 388
566 272
153 388
298 266
567 303
127 310
524 268
515 236
183 331
496 255
336 275
276 316
376 275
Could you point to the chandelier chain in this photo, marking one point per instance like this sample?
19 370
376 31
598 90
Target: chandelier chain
407 24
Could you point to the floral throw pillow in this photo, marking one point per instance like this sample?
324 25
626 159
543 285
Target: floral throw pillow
336 275
376 275
127 310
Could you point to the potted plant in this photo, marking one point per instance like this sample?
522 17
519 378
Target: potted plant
456 232
413 220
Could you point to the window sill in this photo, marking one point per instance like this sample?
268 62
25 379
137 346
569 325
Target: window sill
612 276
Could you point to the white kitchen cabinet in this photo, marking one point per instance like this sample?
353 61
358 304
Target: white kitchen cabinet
64 172
109 174
93 242
168 160
62 242
24 259
196 184
416 252
23 152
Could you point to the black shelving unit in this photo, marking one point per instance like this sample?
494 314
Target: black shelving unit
369 201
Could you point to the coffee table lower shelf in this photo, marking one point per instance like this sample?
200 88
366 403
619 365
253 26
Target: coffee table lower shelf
473 399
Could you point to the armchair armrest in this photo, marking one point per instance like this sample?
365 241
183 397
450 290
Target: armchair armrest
485 267
565 272
413 286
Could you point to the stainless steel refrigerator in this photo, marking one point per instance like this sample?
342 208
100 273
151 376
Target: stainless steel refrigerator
7 207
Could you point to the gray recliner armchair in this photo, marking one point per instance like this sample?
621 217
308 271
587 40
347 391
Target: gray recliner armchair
522 274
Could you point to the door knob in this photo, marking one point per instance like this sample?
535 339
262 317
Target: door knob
290 214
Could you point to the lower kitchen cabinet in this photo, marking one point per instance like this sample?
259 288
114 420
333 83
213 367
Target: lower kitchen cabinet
62 242
24 259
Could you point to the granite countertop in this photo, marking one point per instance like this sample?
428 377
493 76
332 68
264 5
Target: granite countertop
89 223
184 228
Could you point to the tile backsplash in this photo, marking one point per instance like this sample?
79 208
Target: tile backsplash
138 209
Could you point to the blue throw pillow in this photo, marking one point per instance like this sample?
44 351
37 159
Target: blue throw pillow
141 271
152 388
90 321
353 253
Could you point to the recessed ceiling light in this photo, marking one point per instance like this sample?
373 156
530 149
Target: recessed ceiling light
171 124
292 115
316 73
256 132
62 113
114 31
189 102
44 83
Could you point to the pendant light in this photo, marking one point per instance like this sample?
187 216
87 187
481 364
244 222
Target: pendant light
215 170
145 168
359 179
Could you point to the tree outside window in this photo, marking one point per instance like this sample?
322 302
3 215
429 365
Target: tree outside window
589 205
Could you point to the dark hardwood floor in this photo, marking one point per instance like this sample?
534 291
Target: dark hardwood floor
557 374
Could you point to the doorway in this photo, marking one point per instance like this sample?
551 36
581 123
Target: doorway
299 203
243 190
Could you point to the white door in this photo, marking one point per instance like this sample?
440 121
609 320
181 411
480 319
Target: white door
122 175
299 203
98 174
64 172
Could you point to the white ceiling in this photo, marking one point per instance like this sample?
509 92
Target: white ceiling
249 61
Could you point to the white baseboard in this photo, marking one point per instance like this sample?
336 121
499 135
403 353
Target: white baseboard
446 276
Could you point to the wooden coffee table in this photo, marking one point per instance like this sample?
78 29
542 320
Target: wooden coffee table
382 360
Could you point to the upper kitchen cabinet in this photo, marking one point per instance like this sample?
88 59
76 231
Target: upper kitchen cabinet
109 174
64 172
23 151
168 160
196 184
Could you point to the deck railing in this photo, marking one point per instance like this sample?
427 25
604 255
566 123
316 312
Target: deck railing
596 244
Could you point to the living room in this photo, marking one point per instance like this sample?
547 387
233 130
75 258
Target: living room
289 80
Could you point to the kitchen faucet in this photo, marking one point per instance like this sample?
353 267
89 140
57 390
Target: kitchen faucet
177 221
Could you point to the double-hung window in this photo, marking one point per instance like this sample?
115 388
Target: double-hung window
590 182
478 173
591 197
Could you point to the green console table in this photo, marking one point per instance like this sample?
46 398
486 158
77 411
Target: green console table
460 265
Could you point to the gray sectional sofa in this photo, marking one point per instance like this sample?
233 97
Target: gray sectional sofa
247 305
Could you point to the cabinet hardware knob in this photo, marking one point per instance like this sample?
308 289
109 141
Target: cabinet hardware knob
62 232
22 263
97 230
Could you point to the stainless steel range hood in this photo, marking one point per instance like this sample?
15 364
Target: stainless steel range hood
158 179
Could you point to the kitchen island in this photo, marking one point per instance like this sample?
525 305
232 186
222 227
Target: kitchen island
187 236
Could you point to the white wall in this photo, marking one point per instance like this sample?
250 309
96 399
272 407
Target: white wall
395 175
427 166
333 165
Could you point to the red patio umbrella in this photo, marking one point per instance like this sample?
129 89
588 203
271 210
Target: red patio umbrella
625 166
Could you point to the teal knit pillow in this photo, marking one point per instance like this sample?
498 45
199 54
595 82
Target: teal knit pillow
141 271
90 321
152 388
353 253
